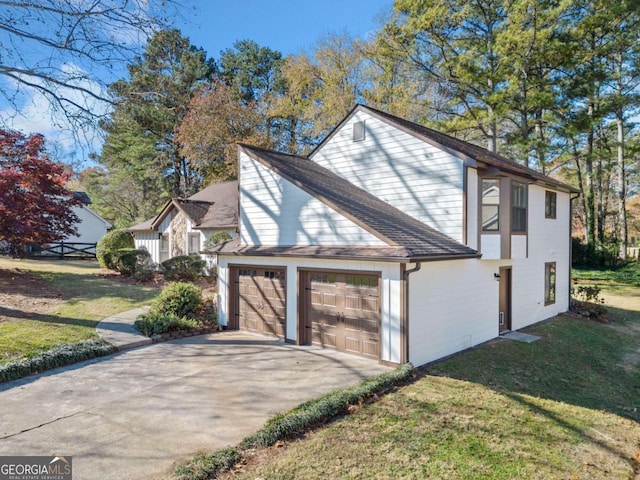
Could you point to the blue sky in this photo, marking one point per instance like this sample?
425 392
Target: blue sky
285 25
288 26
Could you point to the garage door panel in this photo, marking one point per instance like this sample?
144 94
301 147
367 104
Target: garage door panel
343 311
261 302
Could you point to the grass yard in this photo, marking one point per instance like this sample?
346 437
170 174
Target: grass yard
46 303
564 407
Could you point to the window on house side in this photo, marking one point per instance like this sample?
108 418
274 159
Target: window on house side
194 243
518 207
549 283
164 243
550 199
490 205
358 131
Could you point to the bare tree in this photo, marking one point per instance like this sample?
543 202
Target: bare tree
67 50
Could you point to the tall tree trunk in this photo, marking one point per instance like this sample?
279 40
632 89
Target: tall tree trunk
622 189
583 197
590 210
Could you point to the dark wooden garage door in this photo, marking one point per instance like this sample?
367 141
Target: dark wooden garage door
343 312
261 300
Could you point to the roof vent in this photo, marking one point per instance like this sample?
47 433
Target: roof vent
358 131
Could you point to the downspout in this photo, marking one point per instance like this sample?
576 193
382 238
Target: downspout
571 199
405 278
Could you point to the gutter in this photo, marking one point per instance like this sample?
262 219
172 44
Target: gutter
405 323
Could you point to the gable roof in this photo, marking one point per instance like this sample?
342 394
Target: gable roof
408 237
216 206
474 155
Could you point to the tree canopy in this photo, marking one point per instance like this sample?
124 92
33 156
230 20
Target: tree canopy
35 206
64 48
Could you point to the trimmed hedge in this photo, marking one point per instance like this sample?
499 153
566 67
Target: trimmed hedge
205 466
287 425
109 244
183 268
133 262
59 356
156 323
179 299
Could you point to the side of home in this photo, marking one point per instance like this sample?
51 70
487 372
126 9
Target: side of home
394 242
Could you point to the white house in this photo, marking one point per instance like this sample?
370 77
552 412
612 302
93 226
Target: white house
91 226
394 242
184 225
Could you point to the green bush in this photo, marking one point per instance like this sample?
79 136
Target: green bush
217 239
179 299
56 357
183 268
133 262
154 323
205 466
109 244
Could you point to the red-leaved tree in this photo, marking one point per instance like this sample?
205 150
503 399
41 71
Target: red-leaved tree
35 206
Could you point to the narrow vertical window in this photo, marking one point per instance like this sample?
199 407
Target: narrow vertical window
164 243
549 283
358 131
490 205
550 200
518 207
194 243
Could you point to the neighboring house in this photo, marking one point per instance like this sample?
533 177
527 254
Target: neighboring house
91 227
394 242
184 225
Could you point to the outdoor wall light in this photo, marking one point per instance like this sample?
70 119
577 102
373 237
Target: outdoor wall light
496 276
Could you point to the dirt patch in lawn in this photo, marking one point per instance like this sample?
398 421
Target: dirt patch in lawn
23 293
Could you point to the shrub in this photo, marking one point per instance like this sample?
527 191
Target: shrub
586 300
217 239
56 357
183 268
133 262
179 299
154 323
109 244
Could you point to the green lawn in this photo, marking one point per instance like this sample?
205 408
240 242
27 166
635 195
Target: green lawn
88 298
564 407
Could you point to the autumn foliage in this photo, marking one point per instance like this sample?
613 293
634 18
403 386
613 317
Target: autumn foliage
35 206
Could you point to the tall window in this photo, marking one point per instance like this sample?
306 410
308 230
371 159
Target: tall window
550 199
549 283
490 205
518 207
194 243
164 243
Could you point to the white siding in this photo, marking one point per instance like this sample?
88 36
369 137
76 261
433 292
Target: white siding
453 306
491 246
410 174
91 227
390 292
273 211
149 241
548 242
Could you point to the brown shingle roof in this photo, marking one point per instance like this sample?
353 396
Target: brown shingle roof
408 237
215 206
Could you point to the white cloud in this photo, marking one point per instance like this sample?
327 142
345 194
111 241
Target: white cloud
36 114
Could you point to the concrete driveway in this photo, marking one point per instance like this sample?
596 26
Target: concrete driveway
137 414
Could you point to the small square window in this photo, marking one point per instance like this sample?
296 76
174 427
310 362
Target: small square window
550 202
358 131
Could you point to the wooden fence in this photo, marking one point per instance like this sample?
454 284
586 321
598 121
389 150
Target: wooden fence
65 249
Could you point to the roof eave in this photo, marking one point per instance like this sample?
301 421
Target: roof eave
373 258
